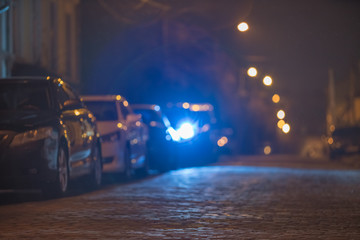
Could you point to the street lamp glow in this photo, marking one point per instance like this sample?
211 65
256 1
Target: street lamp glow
252 72
286 128
243 27
332 128
267 150
186 105
280 123
267 81
195 107
280 114
276 98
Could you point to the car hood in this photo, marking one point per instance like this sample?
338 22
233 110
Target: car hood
22 120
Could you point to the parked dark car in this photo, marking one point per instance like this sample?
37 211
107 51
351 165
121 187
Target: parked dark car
47 136
123 135
195 123
162 137
345 141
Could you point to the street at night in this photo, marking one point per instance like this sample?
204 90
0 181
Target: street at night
180 119
278 197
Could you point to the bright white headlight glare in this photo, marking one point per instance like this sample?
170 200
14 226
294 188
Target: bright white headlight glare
186 131
32 136
174 134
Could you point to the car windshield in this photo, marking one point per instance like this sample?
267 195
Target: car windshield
103 110
178 115
148 115
24 96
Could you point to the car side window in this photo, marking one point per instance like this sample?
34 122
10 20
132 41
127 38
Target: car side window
70 92
62 96
65 94
124 110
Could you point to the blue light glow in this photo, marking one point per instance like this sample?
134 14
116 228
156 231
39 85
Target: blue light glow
186 131
174 134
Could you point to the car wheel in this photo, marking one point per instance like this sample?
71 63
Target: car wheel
97 169
61 185
173 160
63 172
127 160
144 170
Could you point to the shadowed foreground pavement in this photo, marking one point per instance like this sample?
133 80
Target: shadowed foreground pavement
303 200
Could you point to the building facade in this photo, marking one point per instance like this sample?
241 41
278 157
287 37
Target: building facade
5 48
40 37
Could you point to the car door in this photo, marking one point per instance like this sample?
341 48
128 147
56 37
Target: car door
133 134
74 117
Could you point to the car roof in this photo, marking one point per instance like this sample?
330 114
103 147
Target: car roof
195 107
27 79
146 106
102 98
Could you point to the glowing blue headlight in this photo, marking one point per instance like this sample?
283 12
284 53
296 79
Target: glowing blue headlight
186 131
174 134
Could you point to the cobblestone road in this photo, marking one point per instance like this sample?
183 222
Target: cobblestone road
229 201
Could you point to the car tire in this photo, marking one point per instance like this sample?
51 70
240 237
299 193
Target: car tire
128 172
96 175
60 187
144 170
63 171
173 162
167 162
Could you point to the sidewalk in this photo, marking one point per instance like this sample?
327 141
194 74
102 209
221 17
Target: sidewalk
292 161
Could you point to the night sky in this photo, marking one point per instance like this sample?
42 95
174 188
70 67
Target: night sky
295 42
303 39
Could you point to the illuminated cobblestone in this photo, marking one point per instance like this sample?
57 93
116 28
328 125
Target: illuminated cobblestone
218 202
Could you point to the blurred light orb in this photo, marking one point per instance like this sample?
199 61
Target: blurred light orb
252 72
276 98
330 140
186 131
286 128
186 105
267 150
267 81
332 128
174 134
280 114
205 128
243 27
195 108
280 123
222 141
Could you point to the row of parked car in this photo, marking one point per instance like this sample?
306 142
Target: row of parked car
49 135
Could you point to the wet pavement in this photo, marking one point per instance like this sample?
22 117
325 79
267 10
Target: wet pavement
239 198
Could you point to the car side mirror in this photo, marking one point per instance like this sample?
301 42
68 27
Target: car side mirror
133 117
71 104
